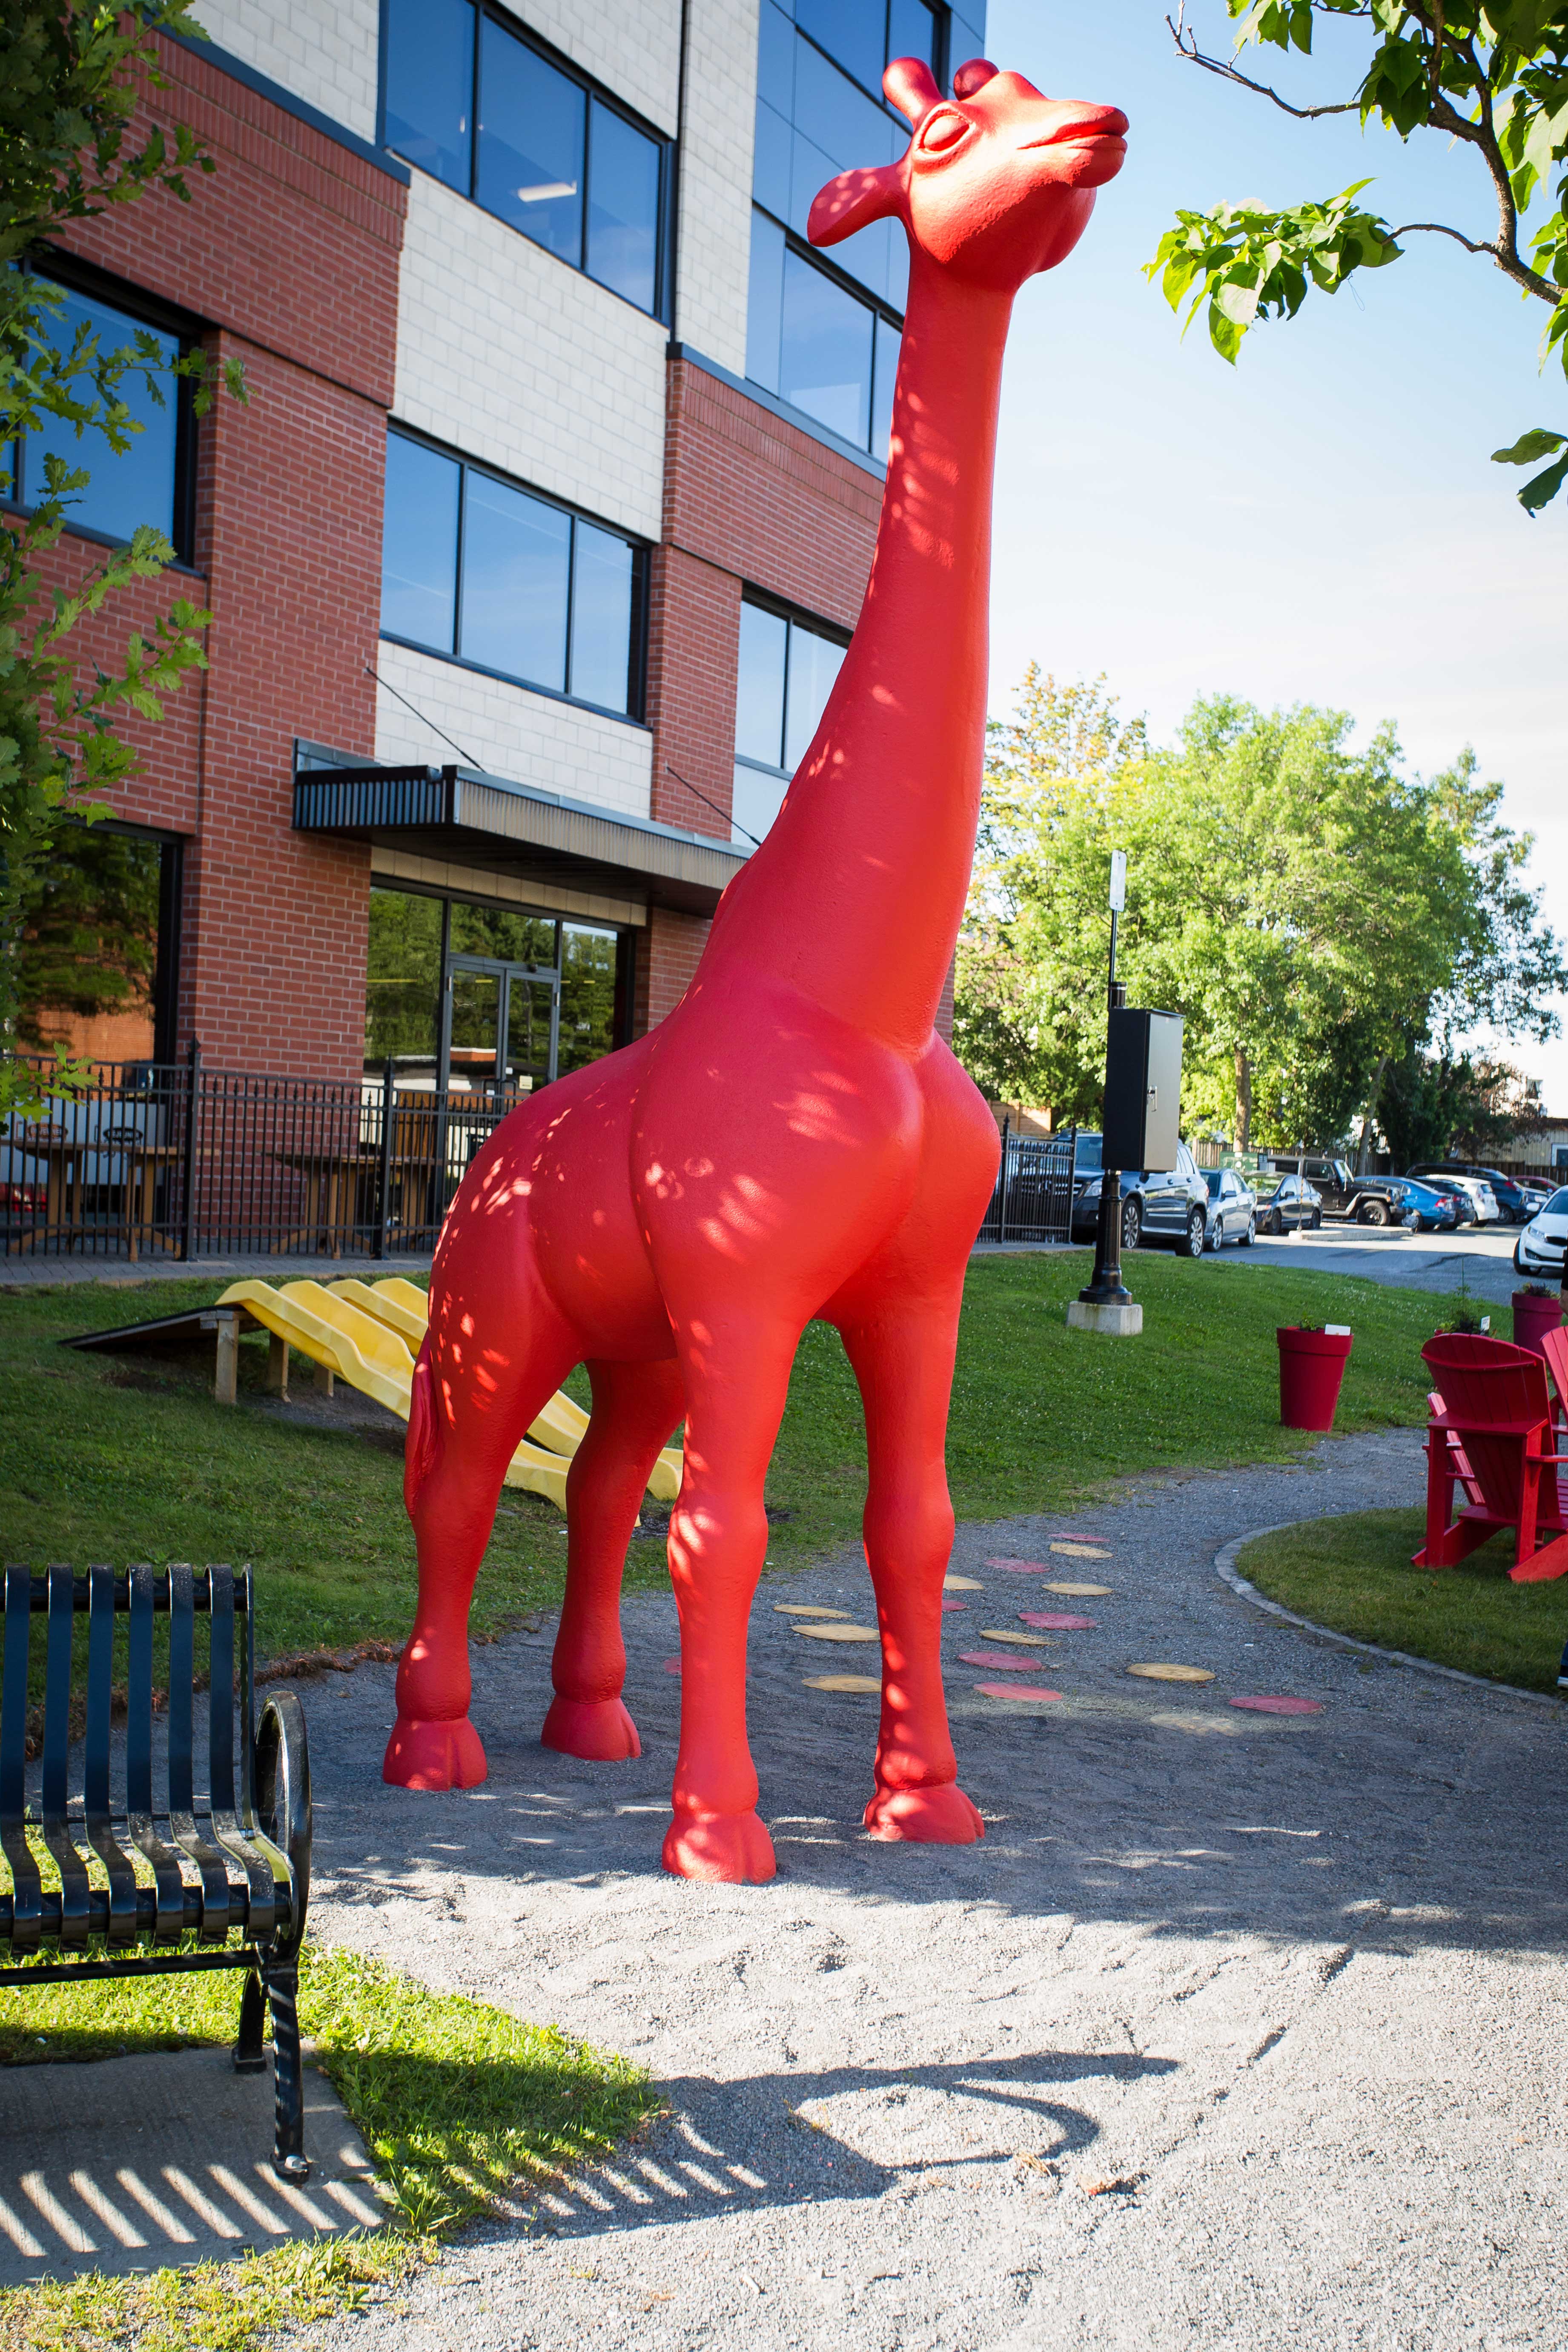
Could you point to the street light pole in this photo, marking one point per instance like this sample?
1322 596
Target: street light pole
1105 1288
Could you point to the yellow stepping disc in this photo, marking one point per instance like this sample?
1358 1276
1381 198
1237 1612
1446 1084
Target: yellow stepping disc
1173 1674
804 1609
843 1682
1079 1591
1024 1640
962 1584
1082 1552
839 1633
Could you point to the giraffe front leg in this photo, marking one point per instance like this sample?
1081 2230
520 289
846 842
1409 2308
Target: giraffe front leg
636 1406
717 1541
903 1362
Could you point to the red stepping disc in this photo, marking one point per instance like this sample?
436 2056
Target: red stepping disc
1057 1621
1015 1690
673 1665
947 1606
1013 1666
1280 1705
1024 1567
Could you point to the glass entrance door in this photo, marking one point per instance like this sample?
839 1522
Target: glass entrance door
503 1020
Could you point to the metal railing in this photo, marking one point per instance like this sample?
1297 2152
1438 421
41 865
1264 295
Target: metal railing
172 1161
1032 1198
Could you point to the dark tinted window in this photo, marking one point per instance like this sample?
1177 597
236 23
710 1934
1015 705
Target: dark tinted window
127 488
516 566
430 85
784 675
419 544
531 155
547 157
623 208
1558 1204
403 983
587 995
530 578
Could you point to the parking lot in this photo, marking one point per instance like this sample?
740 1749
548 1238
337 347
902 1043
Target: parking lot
1477 1259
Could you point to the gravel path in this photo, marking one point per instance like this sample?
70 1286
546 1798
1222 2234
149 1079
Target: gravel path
1238 2030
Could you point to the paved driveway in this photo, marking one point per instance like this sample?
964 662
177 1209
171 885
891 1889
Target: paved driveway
1477 1259
1237 2030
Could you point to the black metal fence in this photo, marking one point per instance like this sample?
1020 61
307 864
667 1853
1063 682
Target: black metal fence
1033 1199
172 1160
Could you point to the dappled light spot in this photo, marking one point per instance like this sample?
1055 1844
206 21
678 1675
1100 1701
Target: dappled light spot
1020 1567
949 1605
1020 1694
1081 1592
1057 1621
999 1658
868 1683
1280 1705
962 1584
838 1632
1172 1674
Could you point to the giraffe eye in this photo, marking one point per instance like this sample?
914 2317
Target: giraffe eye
942 130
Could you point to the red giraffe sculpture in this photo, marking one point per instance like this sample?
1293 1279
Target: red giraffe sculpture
795 1141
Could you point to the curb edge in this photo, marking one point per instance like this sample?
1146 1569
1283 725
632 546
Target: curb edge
1226 1569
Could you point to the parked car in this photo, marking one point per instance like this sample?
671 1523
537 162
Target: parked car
1342 1194
1512 1198
1453 1189
1286 1204
1543 1242
1232 1209
1430 1211
1157 1204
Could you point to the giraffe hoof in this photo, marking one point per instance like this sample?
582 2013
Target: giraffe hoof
731 1847
434 1754
598 1729
942 1816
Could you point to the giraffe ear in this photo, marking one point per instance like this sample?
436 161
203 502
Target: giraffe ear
910 85
853 201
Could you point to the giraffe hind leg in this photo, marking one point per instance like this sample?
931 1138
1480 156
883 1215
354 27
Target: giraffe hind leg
636 1406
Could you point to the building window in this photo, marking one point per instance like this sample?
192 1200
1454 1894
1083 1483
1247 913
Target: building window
824 336
472 101
148 482
464 996
478 569
787 666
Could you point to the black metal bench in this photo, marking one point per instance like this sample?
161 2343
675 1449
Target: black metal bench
235 1873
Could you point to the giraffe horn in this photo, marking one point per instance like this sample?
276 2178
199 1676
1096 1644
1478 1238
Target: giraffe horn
972 76
908 83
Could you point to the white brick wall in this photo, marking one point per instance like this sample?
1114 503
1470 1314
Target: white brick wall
508 731
325 51
632 46
526 365
716 180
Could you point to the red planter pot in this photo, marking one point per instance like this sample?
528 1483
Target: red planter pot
1312 1365
1532 1316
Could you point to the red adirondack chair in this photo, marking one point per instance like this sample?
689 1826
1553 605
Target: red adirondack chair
1491 1432
1555 1347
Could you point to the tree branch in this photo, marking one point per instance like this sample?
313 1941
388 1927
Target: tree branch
1187 46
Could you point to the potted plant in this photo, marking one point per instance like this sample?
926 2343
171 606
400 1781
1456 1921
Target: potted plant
1537 1308
1313 1358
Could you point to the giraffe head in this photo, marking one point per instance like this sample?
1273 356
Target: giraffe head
996 182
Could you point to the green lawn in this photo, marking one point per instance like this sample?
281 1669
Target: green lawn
457 2102
1354 1574
129 1458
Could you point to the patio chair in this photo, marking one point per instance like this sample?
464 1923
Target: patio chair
1494 1436
1554 1347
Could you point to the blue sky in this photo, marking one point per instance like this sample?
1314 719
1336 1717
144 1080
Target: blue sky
1320 523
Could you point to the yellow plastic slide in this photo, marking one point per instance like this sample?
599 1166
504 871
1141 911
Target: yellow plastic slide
371 1358
561 1427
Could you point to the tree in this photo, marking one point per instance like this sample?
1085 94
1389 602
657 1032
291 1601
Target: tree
1434 1105
72 75
1315 914
1492 77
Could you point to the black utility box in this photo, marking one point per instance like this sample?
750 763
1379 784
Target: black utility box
1143 1090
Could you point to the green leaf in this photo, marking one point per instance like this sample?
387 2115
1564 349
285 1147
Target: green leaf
1530 446
1543 489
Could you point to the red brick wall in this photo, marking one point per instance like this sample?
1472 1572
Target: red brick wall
667 960
289 249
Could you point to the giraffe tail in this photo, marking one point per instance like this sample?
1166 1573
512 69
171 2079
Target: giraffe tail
420 1452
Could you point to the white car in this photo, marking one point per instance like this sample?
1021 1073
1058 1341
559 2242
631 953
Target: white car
1486 1210
1542 1243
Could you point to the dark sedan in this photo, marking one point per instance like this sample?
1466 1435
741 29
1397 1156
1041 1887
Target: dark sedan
1287 1204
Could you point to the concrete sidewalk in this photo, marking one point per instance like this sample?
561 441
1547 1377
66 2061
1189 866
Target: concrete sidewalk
1239 2031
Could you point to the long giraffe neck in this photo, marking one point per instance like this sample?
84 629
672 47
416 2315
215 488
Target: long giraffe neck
857 894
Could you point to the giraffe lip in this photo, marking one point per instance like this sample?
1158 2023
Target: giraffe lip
1100 126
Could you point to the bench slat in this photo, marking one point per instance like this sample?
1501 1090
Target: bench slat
27 1895
73 1930
170 1911
122 1922
182 1797
262 1899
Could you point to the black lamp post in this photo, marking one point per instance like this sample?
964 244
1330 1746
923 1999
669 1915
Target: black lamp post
1105 1288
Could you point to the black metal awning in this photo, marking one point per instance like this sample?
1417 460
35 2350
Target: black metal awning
488 822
